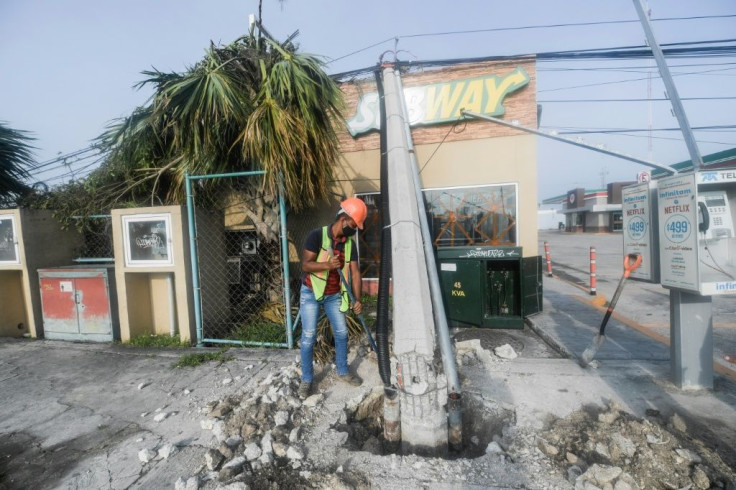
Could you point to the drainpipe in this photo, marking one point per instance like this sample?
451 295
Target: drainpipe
454 396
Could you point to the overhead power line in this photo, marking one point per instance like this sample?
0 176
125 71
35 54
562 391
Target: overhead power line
632 130
699 50
551 26
660 99
517 28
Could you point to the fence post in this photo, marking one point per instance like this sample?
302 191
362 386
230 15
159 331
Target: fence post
546 256
194 261
592 272
285 264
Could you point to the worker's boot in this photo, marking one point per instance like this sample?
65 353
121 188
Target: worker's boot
351 378
303 390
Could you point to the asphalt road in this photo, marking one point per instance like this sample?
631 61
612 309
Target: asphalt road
642 306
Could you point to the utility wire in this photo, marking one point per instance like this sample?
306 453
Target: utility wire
659 99
517 28
550 26
637 130
597 84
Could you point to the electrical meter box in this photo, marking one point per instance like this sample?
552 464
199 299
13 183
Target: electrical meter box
492 287
696 232
641 232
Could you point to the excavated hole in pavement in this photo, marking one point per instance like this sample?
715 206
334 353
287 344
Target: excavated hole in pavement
482 420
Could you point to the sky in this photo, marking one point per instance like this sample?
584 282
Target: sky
68 69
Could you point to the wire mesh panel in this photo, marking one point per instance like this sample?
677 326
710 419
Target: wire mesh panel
240 265
97 233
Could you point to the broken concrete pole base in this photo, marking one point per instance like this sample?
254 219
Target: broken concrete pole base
423 399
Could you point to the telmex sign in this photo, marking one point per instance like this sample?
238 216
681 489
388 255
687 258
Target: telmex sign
442 102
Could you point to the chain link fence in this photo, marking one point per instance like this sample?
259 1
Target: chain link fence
97 235
240 265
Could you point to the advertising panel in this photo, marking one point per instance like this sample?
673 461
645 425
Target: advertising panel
678 240
8 241
147 240
640 229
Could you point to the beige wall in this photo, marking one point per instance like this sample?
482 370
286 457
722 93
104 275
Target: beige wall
42 243
469 154
12 304
502 160
144 292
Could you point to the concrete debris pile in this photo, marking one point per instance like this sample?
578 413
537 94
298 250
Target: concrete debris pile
267 437
611 449
257 439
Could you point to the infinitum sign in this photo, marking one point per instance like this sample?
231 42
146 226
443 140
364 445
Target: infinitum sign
640 228
678 241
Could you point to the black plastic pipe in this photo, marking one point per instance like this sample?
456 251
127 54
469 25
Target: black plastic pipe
384 269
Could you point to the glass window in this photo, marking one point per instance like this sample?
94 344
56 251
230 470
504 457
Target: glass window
457 216
483 215
369 238
8 240
617 222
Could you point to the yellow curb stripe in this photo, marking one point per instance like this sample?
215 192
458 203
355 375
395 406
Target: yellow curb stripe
717 367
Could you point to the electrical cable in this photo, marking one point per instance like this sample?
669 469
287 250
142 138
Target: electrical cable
632 130
516 28
443 140
662 99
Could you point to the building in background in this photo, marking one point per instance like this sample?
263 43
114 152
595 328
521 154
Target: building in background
479 178
599 210
592 210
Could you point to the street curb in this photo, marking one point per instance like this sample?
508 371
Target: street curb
552 342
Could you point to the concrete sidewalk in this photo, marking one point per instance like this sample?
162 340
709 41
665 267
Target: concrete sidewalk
78 415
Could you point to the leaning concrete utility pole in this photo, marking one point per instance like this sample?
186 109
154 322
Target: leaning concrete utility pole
421 390
454 396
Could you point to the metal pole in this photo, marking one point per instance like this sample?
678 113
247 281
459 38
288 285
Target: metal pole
691 315
647 163
669 84
285 264
194 262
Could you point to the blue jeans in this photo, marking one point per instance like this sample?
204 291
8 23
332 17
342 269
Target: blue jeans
309 309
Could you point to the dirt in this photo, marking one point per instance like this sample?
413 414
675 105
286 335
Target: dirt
652 452
598 447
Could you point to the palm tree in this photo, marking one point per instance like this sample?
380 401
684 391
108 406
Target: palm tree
15 156
253 104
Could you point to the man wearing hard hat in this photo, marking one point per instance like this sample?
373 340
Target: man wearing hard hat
327 251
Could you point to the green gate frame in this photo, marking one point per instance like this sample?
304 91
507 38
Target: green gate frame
195 265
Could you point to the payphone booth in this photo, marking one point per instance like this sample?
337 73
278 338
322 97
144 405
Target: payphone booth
697 243
683 228
152 271
29 240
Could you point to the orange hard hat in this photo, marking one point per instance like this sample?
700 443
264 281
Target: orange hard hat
356 209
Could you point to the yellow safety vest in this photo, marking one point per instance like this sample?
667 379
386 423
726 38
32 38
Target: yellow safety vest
319 279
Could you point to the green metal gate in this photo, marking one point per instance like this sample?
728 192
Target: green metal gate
240 279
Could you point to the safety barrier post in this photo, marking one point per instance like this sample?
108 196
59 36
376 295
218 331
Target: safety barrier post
592 272
546 256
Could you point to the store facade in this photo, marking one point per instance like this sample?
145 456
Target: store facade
479 179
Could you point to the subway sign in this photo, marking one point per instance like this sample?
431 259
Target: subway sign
442 102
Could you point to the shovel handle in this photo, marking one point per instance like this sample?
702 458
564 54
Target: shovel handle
629 267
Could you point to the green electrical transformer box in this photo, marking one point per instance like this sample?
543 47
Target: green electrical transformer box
491 287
